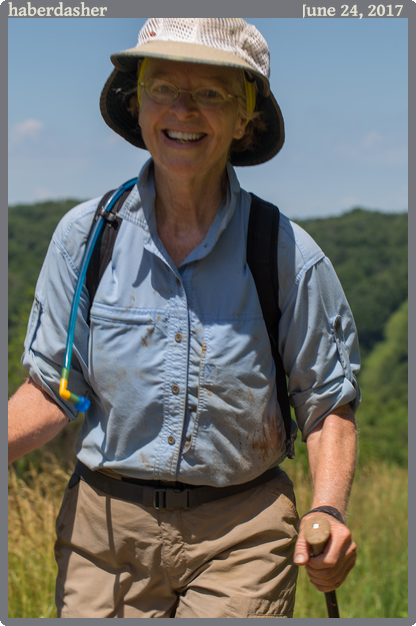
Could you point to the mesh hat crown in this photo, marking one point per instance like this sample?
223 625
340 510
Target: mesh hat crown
226 42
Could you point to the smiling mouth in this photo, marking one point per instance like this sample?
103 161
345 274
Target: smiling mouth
183 137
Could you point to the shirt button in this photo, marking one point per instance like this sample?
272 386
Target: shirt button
178 282
171 440
178 337
175 389
337 323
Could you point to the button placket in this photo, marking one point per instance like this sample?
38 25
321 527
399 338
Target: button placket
177 365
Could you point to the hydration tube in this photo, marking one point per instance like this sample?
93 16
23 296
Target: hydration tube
82 404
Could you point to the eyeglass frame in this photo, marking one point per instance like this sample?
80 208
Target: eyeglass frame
192 93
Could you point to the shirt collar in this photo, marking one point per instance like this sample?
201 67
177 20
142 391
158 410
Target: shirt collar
139 209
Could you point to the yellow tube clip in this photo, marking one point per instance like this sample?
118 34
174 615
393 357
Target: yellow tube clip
63 392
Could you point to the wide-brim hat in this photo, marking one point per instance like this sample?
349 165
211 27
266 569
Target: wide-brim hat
227 42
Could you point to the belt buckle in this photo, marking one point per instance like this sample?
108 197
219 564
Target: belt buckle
169 499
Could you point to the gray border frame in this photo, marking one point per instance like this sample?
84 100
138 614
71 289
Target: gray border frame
274 8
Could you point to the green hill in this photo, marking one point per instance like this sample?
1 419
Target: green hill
382 418
369 252
30 229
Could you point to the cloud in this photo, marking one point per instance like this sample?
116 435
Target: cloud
375 148
372 140
43 193
112 140
28 130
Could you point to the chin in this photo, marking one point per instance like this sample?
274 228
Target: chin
189 166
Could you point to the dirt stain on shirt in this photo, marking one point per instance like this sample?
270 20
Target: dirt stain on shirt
145 338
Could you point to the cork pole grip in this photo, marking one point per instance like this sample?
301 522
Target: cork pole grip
317 530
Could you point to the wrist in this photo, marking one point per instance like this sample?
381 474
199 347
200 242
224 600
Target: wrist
329 510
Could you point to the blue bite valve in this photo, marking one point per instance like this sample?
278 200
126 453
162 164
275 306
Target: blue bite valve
83 404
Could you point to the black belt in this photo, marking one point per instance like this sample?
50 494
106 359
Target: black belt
179 496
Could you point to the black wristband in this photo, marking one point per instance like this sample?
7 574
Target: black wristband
330 510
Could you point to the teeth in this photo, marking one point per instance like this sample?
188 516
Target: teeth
174 134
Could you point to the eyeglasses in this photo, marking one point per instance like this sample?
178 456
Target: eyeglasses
163 92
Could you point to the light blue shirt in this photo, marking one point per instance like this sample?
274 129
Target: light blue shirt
177 361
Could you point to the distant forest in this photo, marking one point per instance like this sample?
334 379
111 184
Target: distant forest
369 252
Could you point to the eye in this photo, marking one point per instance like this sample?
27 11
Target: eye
161 90
212 93
211 96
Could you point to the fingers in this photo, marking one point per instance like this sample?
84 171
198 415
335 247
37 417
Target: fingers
331 577
302 550
328 570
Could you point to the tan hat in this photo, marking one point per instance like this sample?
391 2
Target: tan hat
228 42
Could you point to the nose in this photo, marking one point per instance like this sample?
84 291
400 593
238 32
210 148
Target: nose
184 104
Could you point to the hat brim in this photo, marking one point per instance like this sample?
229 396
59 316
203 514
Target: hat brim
114 104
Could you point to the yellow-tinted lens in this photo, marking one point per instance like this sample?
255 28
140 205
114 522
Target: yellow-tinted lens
210 97
161 91
250 89
139 80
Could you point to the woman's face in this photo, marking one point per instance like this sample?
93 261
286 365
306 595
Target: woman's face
205 152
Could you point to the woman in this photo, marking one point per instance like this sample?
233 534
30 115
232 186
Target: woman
174 356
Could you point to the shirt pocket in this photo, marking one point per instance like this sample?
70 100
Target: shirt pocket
126 355
338 333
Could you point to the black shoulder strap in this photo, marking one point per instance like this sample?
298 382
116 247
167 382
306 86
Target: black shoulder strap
262 241
103 250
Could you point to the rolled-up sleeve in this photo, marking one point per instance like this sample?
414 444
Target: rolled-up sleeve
318 341
45 342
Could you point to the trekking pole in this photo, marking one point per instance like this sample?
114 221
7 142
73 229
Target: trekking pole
317 530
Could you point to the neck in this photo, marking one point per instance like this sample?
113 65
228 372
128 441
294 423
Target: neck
185 210
188 204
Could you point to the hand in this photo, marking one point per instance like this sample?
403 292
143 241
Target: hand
328 570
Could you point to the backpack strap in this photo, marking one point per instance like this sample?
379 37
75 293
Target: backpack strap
103 250
262 241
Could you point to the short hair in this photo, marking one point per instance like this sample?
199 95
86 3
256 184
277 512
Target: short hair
255 125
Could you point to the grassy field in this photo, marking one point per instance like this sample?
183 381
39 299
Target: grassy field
376 588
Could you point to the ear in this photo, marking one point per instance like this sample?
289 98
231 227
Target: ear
240 128
140 113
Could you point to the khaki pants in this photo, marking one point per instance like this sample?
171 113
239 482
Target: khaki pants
228 558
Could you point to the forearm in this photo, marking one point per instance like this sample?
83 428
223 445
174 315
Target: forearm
332 451
34 419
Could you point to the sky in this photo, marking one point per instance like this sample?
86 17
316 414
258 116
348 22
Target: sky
341 85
